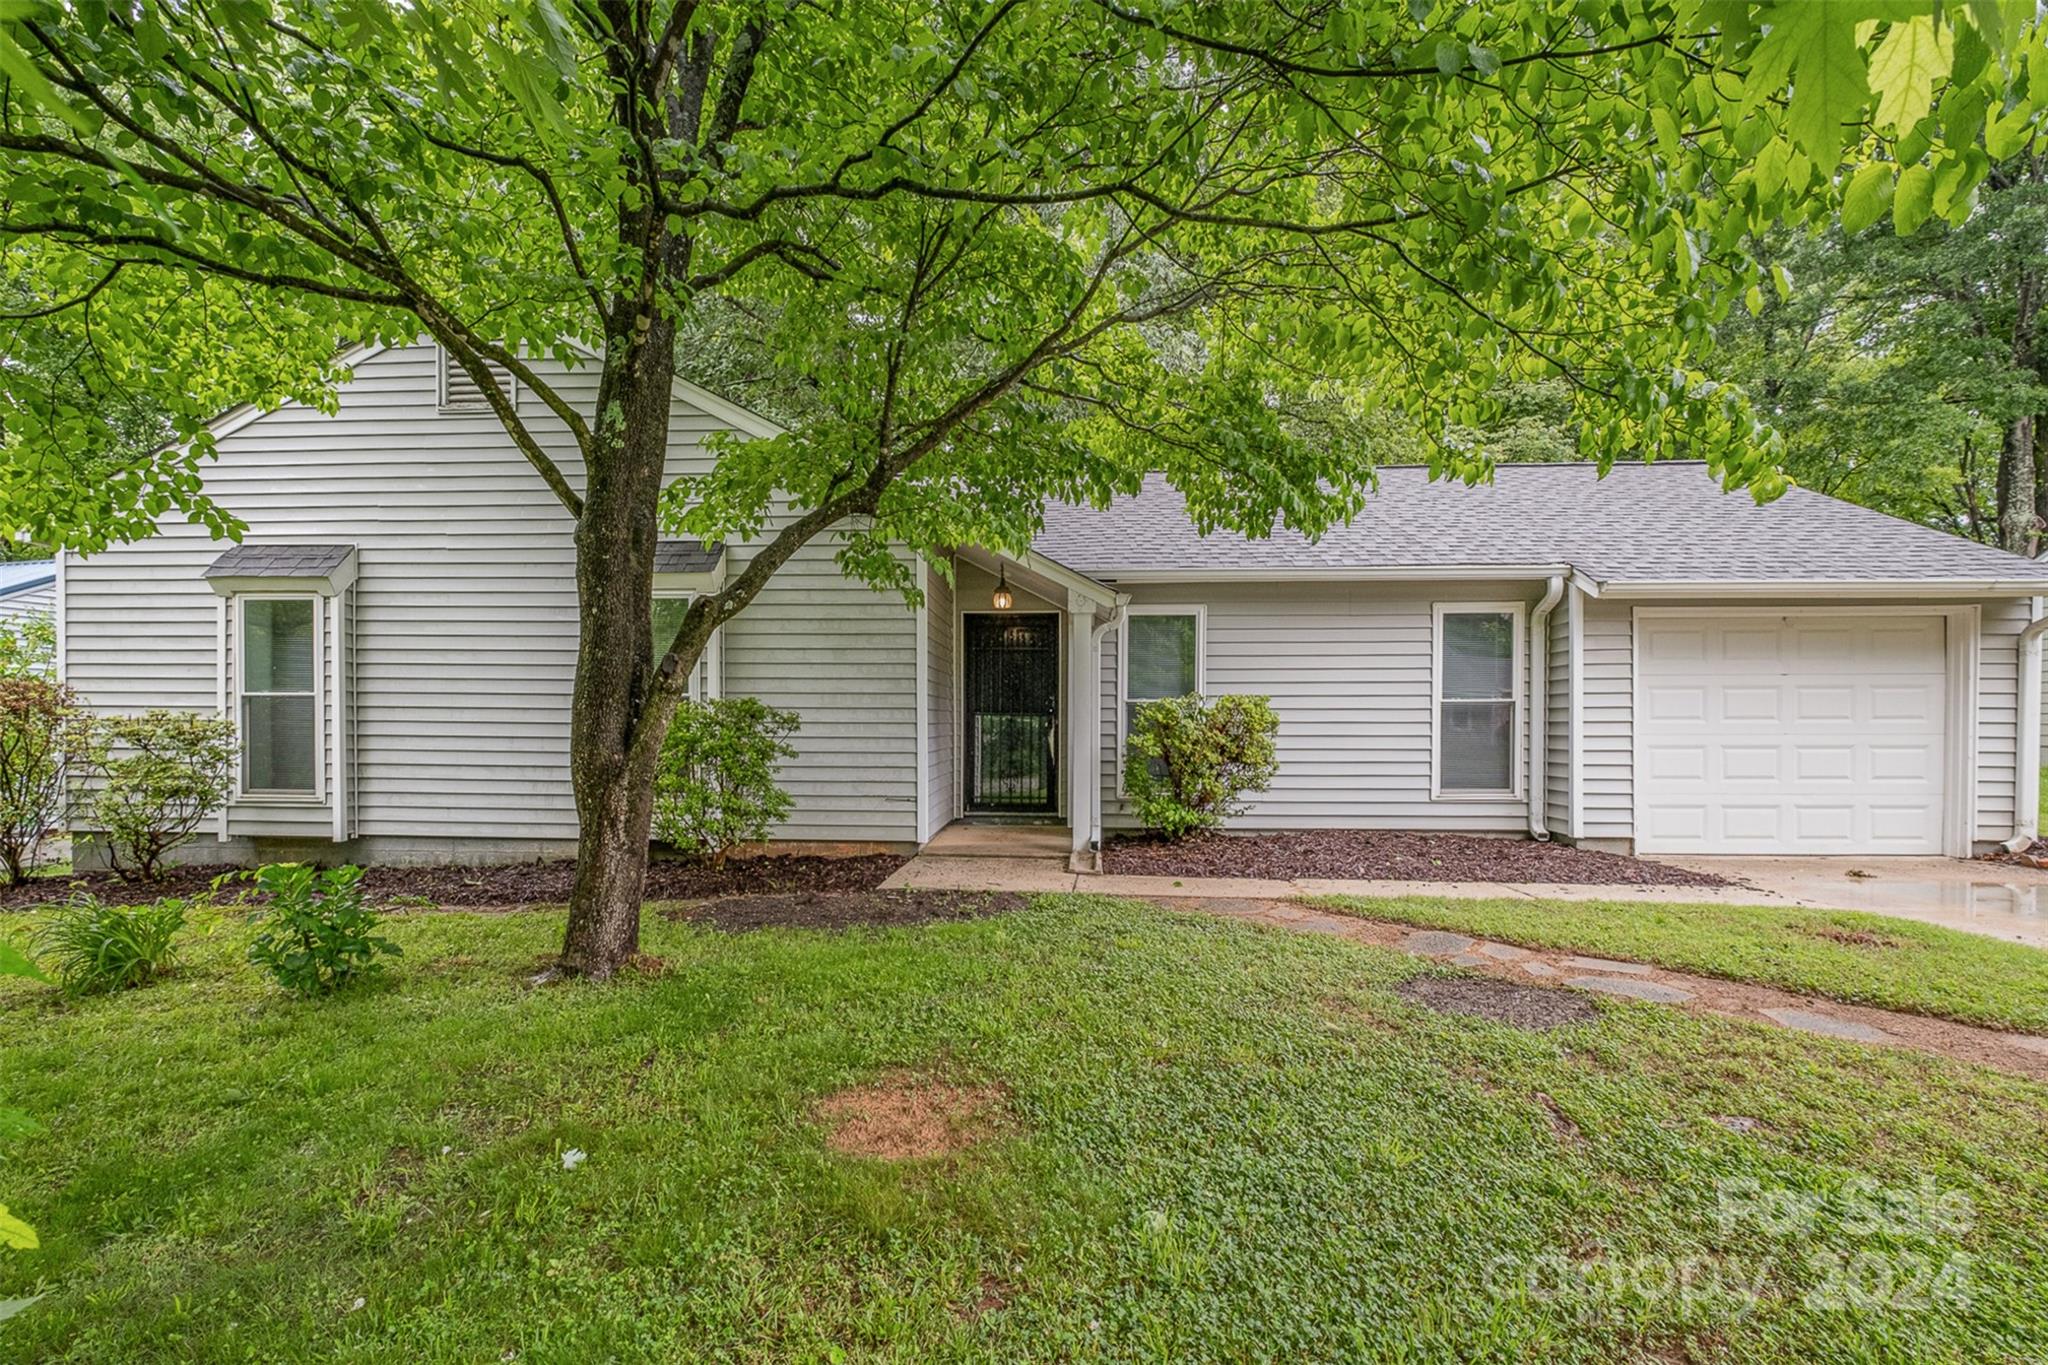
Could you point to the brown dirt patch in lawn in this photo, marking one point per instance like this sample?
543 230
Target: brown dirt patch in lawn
1387 855
846 910
506 886
901 1116
1504 1002
1855 938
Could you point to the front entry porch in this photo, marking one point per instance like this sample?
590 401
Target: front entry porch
980 839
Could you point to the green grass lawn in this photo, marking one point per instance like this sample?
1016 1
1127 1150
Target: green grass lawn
1223 1142
1864 959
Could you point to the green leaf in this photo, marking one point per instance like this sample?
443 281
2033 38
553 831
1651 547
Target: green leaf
1912 57
1868 196
10 1307
1450 56
1913 200
18 67
2005 134
15 1233
14 962
1829 86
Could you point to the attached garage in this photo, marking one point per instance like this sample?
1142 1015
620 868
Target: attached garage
1797 732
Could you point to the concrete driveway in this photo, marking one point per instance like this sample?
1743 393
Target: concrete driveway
2001 900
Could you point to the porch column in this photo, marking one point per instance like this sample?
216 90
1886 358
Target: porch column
1084 728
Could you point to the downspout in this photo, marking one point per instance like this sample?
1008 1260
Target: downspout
1102 628
1539 706
2027 800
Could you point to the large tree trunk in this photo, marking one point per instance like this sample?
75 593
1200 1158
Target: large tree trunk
612 774
2018 471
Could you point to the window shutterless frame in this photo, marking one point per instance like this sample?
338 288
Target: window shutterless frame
1123 668
704 679
317 793
1517 699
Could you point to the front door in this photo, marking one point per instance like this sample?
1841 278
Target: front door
1012 670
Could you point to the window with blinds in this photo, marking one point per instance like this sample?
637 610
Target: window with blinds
279 686
459 393
1478 703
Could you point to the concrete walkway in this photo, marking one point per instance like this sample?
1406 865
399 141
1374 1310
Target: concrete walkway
2001 900
2022 1053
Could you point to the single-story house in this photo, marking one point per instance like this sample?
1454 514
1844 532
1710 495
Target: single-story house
28 588
1641 662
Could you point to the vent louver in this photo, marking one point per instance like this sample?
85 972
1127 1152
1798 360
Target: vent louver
459 393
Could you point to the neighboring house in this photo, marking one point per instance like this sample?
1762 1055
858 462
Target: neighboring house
1637 662
28 587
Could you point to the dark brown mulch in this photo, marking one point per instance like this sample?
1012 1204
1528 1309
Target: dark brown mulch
545 883
1387 855
847 910
1505 1002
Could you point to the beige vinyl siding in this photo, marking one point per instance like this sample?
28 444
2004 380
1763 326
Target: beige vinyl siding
1557 736
1998 716
1607 718
942 732
1348 668
465 619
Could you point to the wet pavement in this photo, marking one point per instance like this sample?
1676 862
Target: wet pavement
2001 900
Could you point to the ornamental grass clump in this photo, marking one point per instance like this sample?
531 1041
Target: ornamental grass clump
1191 761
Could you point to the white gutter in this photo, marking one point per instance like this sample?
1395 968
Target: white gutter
1102 628
1539 706
1832 588
2027 762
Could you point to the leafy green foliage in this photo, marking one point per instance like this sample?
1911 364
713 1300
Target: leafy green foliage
94 947
28 647
317 936
716 787
41 729
156 776
1191 761
14 1233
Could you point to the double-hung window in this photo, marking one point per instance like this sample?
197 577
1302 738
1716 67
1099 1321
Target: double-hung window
669 610
1478 699
1162 657
279 695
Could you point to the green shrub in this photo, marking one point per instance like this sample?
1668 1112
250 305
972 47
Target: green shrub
1191 761
716 787
28 647
159 774
14 1233
41 730
95 947
317 935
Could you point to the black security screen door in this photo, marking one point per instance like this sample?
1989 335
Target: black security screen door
1013 700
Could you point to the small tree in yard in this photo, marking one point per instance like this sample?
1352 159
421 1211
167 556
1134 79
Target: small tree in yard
41 730
1191 761
157 776
996 251
716 789
28 647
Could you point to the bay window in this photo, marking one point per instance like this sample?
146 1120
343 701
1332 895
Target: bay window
1162 658
1478 699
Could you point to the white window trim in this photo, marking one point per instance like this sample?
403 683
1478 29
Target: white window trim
442 361
1518 740
1123 666
712 664
264 795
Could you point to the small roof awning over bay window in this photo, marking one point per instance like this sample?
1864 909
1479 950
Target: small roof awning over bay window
688 566
323 569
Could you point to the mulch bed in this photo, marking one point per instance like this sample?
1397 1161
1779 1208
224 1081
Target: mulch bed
1387 855
1505 1002
544 883
846 910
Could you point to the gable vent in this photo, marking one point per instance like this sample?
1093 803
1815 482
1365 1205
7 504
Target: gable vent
459 392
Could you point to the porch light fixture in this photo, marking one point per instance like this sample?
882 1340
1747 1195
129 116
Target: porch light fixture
1002 597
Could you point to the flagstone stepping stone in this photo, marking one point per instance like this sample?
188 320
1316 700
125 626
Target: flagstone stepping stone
1436 943
1535 968
1601 964
1810 1021
1633 989
1470 960
1504 952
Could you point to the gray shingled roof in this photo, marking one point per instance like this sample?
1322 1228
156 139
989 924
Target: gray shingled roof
686 556
1657 523
280 561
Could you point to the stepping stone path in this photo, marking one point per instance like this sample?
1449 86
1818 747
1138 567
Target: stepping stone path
1812 1021
1436 943
1505 952
1601 964
1630 987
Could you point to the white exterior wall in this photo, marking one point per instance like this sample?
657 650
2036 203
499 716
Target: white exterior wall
1557 737
941 701
37 601
1348 668
1608 701
465 621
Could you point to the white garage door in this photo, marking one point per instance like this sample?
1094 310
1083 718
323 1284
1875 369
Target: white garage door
1792 734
